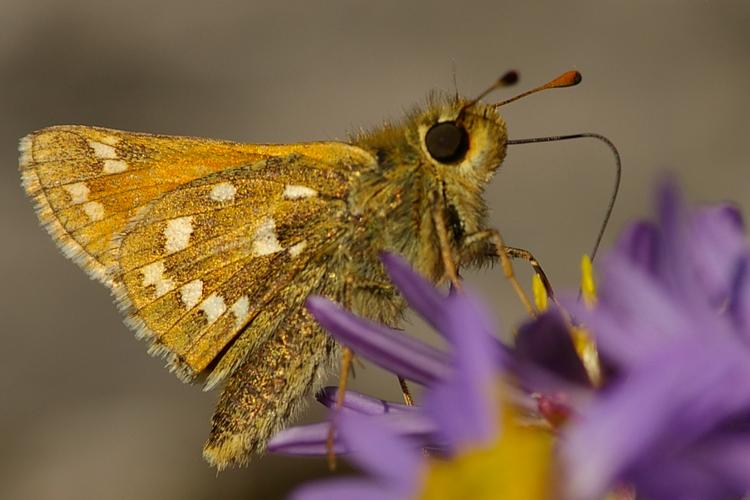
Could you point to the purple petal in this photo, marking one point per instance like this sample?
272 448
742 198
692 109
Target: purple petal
677 275
730 456
361 403
387 456
636 314
640 244
675 395
680 477
462 421
421 295
465 404
305 440
700 250
739 299
717 241
545 342
311 439
702 245
347 489
390 349
717 467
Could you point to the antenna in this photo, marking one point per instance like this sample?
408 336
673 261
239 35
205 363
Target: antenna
618 167
508 79
567 79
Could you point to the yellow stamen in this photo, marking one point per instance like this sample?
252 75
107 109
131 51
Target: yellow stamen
540 293
588 353
582 340
588 285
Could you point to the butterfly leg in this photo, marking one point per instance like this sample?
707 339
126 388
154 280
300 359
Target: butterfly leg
504 253
523 254
347 356
408 399
446 254
500 250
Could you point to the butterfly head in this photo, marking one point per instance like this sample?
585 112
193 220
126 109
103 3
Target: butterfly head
461 140
451 147
468 137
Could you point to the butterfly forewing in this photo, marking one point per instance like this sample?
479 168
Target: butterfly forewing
88 183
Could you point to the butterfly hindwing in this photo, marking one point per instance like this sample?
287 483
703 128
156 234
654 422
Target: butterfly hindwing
267 389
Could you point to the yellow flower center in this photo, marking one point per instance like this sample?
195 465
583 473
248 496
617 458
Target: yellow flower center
518 465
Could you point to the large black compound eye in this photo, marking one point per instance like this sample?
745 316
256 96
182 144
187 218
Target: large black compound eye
447 142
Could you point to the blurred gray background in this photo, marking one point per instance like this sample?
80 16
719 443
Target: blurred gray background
85 413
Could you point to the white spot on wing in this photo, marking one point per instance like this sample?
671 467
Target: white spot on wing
265 241
78 192
177 232
94 210
295 250
241 310
153 274
223 192
114 166
103 151
296 192
191 293
214 307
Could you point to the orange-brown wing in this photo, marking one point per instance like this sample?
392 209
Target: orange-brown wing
88 182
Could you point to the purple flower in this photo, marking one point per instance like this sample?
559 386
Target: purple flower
461 404
673 420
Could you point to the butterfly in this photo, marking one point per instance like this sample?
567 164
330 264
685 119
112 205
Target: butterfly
211 248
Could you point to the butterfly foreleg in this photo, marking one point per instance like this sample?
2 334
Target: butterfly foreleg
498 248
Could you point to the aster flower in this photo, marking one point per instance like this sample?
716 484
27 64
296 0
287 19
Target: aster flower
460 418
667 417
670 320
